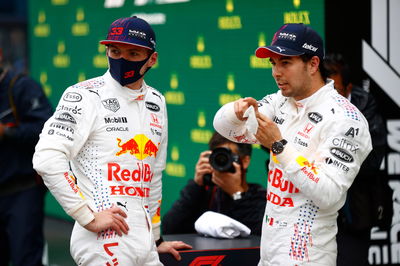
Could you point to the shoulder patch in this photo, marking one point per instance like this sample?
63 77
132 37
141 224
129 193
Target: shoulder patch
349 109
90 83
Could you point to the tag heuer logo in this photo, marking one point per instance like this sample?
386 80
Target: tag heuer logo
111 104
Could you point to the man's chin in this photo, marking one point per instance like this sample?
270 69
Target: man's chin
285 93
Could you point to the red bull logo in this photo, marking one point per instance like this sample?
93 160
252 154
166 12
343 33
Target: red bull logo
309 169
277 180
140 146
304 162
72 183
142 174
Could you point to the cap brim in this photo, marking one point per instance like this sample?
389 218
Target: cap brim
133 44
268 51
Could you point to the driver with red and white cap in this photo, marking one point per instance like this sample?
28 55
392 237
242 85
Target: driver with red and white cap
318 141
103 151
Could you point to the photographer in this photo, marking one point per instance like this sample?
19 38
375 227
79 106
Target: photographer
225 191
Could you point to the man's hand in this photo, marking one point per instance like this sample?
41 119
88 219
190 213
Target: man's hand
113 218
229 182
203 167
173 247
268 132
241 105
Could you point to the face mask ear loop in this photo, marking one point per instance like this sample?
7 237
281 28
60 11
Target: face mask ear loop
148 58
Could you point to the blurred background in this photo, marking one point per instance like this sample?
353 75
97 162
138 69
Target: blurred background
206 59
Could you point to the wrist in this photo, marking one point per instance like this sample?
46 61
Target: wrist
278 146
198 180
159 241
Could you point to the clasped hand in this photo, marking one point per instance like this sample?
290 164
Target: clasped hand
113 218
268 132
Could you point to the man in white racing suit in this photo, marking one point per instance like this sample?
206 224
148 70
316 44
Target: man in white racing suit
103 151
318 141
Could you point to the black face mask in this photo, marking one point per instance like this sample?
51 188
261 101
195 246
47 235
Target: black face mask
126 72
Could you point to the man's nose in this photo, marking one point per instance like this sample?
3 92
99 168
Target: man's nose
125 56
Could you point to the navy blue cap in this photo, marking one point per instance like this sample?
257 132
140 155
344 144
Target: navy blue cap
133 30
294 39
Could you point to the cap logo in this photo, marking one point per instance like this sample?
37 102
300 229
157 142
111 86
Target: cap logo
116 30
309 47
138 34
287 36
280 49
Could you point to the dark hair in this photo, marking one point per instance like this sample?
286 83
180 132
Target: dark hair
217 140
336 64
322 69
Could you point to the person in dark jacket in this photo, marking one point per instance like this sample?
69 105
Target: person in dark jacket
359 214
23 110
223 192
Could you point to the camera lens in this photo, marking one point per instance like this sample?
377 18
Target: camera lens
221 159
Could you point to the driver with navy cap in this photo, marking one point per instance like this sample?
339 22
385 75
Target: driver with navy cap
317 141
103 151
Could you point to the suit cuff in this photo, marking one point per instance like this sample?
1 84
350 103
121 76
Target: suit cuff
82 214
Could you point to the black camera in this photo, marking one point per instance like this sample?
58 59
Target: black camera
221 159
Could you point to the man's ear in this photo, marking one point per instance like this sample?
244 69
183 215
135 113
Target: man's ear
314 63
153 59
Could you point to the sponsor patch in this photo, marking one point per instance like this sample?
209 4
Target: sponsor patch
337 164
75 110
278 120
315 117
62 127
352 132
111 104
300 142
342 155
65 117
115 120
152 106
72 97
114 129
345 144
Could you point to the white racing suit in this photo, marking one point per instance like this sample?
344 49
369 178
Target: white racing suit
106 145
328 139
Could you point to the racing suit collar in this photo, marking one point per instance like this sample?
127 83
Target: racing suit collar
133 95
313 99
